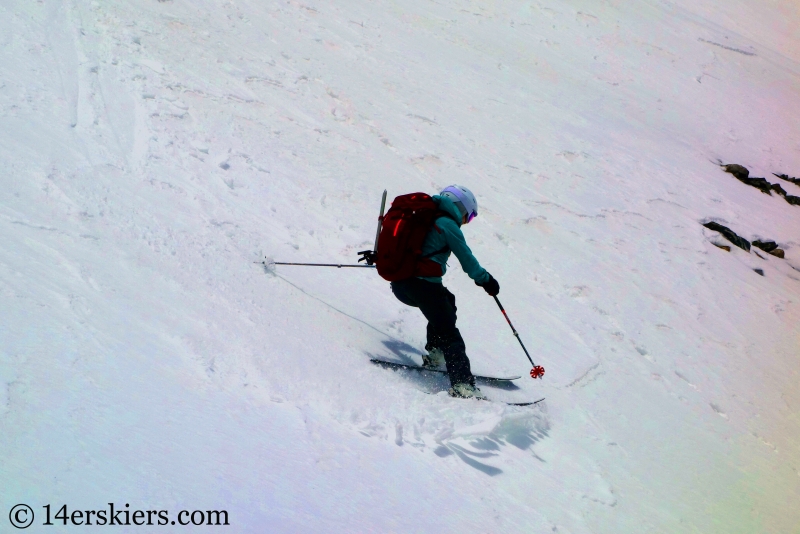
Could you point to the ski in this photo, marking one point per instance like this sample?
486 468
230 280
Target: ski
397 365
494 400
522 403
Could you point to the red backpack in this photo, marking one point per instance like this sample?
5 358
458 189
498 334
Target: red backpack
403 231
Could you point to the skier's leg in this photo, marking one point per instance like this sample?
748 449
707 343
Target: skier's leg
409 292
434 336
401 291
455 357
434 359
438 306
455 351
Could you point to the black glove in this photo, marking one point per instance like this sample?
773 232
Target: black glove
491 286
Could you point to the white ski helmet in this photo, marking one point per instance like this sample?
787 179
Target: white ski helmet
463 198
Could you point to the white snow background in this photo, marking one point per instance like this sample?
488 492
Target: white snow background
152 152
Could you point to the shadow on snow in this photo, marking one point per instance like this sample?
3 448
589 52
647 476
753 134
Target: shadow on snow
521 429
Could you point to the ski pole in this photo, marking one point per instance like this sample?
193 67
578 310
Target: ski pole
538 370
339 265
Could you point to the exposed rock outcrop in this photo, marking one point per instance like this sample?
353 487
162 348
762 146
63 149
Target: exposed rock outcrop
778 189
729 234
766 246
741 173
770 247
788 178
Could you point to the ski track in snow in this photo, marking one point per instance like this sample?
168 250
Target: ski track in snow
155 152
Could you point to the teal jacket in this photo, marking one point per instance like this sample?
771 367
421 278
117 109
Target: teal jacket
446 233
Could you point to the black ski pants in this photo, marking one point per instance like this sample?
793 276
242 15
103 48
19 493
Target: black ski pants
438 306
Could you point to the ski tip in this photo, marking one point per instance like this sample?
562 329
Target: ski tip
525 403
497 378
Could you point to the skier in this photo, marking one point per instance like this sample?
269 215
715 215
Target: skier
445 346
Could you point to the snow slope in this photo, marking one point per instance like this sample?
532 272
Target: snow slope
153 152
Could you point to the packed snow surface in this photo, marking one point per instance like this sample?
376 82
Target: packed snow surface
153 153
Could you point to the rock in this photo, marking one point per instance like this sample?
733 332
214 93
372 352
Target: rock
766 246
770 247
795 181
759 271
762 184
740 242
778 189
739 171
759 183
726 248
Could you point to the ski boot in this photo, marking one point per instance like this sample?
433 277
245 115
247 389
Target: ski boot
434 359
464 390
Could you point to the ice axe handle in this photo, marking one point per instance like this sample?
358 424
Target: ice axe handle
380 221
371 256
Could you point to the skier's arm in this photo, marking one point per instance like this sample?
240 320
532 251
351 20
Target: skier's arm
457 243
